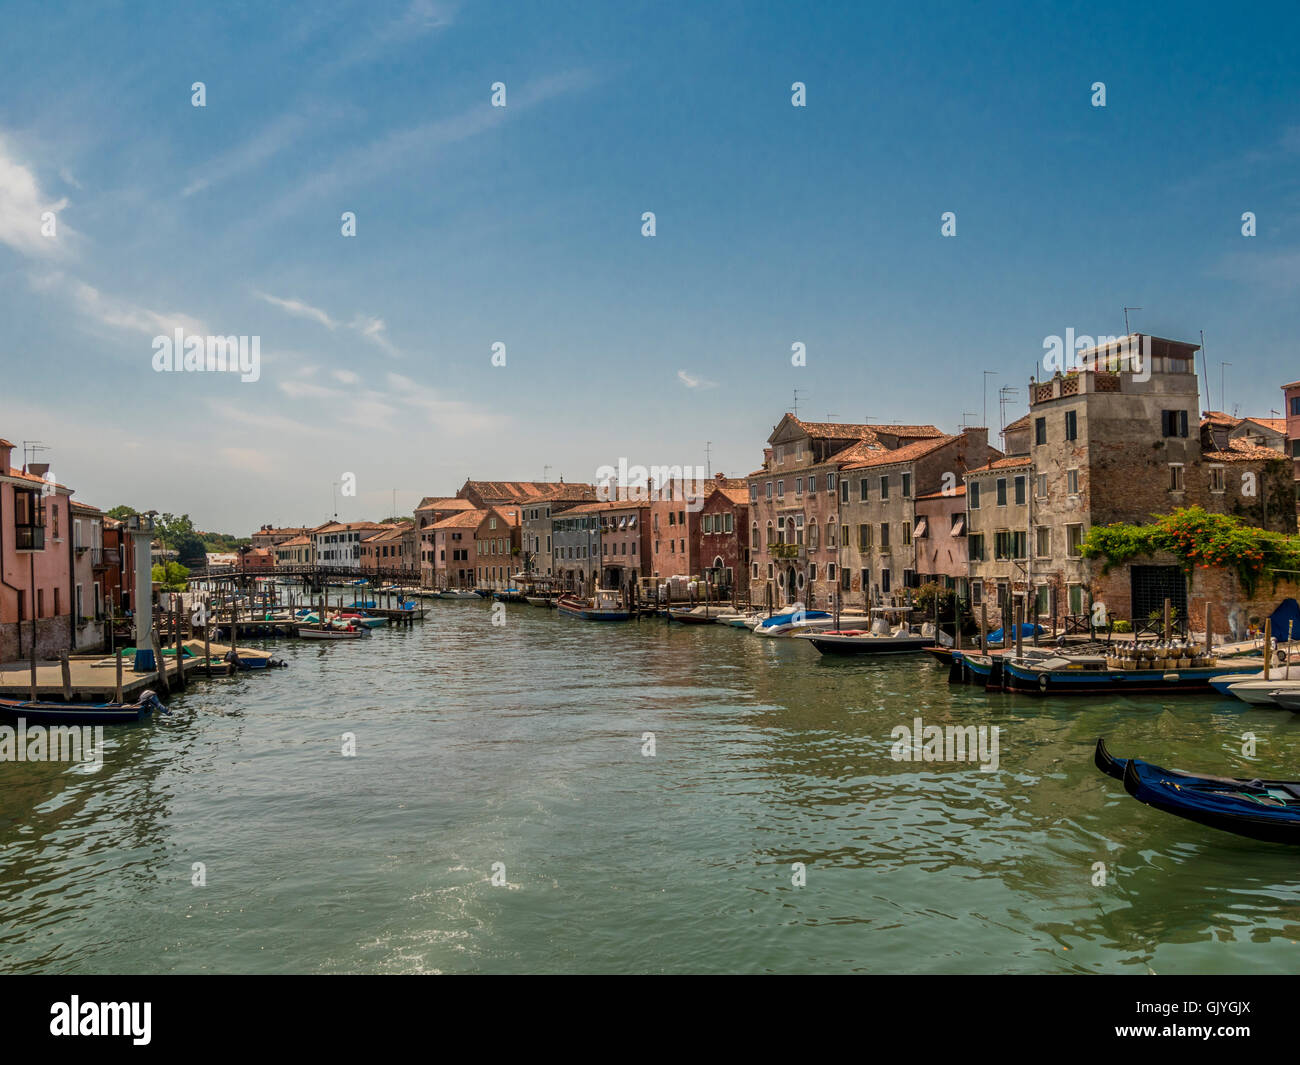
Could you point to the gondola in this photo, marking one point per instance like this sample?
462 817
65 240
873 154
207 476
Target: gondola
44 713
1267 810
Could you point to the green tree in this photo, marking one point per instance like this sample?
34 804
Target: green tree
179 535
122 512
171 576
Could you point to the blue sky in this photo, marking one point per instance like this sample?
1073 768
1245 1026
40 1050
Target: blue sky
522 225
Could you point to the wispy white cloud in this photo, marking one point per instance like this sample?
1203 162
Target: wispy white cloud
272 139
22 202
374 330
299 309
371 327
691 381
117 313
402 147
420 17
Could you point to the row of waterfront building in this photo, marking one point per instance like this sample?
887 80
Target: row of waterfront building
866 513
869 513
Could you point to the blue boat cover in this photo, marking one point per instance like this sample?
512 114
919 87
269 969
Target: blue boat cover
1286 620
1025 630
786 618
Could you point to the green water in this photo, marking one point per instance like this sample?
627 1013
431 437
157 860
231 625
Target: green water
523 745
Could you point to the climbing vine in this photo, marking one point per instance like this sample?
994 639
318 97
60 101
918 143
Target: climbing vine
1199 540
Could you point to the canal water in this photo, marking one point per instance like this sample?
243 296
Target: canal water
518 754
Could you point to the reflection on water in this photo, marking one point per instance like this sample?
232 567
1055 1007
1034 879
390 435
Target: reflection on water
522 746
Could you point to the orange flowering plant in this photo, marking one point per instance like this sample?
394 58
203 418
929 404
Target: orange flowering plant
1199 540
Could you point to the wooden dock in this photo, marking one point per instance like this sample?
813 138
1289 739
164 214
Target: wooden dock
89 681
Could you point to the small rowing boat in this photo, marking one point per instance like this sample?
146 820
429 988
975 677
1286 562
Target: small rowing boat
47 713
332 632
1267 810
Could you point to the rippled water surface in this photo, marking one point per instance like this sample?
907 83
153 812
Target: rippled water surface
523 745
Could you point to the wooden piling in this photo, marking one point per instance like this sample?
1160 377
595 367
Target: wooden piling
1268 646
1020 622
1168 606
158 657
180 649
66 668
1209 627
117 691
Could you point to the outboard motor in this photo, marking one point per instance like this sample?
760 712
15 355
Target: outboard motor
149 697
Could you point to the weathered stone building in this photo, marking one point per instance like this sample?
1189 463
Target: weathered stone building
794 502
878 513
1115 441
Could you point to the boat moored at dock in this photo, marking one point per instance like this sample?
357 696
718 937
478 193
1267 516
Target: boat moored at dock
605 605
51 713
1091 675
862 642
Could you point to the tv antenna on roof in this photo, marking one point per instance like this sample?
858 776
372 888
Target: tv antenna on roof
708 460
1126 310
796 403
1006 394
32 448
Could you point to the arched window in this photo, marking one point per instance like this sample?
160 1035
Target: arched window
769 533
830 534
754 539
812 534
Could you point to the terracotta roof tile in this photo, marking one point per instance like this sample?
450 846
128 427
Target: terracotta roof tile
466 519
451 503
906 453
1004 464
1243 451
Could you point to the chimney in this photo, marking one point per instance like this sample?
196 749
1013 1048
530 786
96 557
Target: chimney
767 458
38 469
6 452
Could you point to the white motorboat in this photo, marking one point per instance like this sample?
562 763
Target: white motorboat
1259 692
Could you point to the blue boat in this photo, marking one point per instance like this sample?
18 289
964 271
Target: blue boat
45 713
780 624
1267 810
1092 676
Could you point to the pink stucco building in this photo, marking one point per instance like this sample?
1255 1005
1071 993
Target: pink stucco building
36 563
